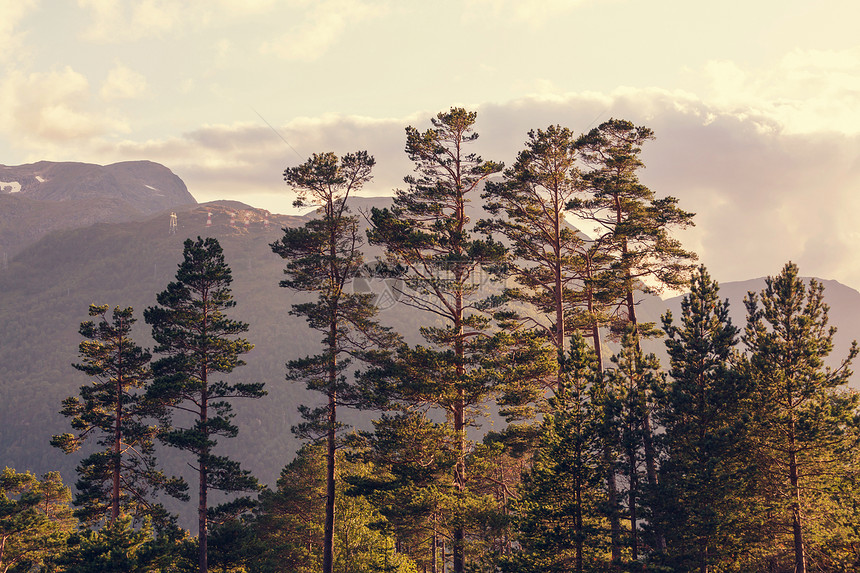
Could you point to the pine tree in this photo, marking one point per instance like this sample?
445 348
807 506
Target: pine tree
124 474
634 382
704 480
116 548
198 343
290 528
562 273
634 226
323 257
804 430
427 232
413 457
555 265
561 523
35 519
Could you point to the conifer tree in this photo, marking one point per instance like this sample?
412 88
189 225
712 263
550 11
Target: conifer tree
556 266
117 548
804 417
199 344
561 524
35 519
290 530
413 457
704 412
634 382
323 257
112 409
427 232
634 226
563 274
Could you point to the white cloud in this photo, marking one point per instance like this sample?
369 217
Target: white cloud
43 109
533 13
761 195
122 83
12 13
806 91
121 21
319 27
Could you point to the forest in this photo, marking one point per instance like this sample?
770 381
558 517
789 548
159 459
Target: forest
739 454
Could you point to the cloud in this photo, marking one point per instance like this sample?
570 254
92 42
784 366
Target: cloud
761 195
122 83
238 160
533 14
806 91
120 21
48 108
11 38
320 27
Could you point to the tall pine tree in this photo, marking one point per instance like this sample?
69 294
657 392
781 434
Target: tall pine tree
124 474
634 226
561 522
199 344
323 257
804 416
428 233
555 265
704 476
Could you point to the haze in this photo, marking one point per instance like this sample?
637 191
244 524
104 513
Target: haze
755 105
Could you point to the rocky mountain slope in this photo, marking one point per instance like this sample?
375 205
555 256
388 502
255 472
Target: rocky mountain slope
38 198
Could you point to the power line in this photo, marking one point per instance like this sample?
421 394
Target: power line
277 133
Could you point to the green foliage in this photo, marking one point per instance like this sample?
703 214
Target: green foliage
289 525
198 342
705 478
116 548
630 222
560 515
805 423
35 519
122 475
557 268
631 388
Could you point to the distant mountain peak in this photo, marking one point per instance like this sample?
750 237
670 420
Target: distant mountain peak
41 197
146 186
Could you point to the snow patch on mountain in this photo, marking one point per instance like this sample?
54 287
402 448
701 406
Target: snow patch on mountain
10 187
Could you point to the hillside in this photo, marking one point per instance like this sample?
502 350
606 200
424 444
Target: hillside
844 303
46 289
38 198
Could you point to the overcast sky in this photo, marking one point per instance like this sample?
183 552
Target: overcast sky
756 105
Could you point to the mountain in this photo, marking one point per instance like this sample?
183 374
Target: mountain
41 197
128 256
46 290
844 303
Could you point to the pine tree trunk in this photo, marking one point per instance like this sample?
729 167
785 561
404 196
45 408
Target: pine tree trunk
460 426
559 304
612 502
117 452
460 475
647 432
578 520
631 502
796 515
202 518
434 547
328 534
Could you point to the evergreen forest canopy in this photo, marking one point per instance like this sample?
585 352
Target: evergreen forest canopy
739 453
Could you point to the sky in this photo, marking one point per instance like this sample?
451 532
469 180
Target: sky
755 105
